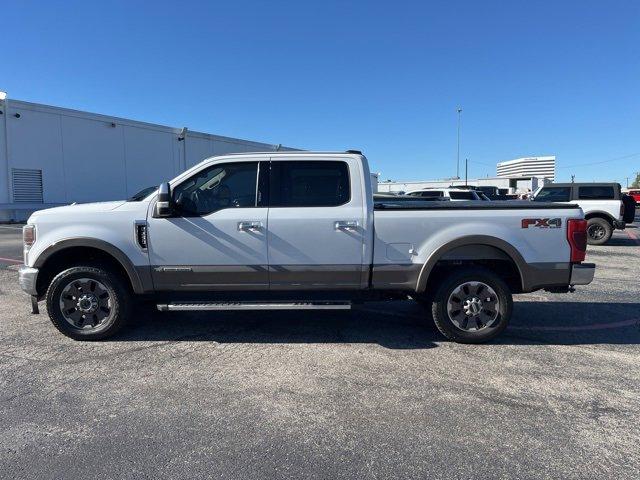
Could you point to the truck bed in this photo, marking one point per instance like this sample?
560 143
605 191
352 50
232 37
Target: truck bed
405 204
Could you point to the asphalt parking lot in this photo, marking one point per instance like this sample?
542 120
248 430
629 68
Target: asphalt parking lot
368 393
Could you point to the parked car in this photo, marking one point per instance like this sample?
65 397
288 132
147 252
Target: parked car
605 207
453 194
296 230
635 194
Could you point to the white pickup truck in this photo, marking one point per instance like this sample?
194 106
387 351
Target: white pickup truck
296 230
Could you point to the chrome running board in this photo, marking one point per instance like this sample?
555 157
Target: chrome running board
206 306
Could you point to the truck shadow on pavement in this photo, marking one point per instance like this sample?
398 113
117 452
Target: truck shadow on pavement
401 325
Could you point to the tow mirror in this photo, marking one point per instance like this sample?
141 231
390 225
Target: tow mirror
164 204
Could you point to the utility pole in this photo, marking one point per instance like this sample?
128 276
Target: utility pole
627 182
466 170
458 155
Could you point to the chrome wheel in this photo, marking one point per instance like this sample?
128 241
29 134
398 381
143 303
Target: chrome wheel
85 303
473 306
596 232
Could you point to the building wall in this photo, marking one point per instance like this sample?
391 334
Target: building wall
543 167
86 157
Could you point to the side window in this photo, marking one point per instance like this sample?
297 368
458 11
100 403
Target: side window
309 184
596 193
228 185
462 196
554 194
432 193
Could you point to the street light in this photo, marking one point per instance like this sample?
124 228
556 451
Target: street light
458 155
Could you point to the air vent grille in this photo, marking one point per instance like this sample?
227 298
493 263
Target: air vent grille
27 185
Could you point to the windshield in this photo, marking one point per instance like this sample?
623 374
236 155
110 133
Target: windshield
142 194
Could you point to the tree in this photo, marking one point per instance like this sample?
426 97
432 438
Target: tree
636 182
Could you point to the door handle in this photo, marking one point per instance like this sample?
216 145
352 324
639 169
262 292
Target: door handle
346 225
249 226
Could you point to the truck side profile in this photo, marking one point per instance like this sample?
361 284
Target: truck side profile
296 230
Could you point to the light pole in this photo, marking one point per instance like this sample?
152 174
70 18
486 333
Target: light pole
466 171
458 155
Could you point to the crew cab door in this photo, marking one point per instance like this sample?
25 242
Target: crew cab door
316 224
217 240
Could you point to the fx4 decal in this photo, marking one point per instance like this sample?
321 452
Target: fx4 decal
541 222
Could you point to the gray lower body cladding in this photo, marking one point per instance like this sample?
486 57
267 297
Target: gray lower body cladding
399 277
258 277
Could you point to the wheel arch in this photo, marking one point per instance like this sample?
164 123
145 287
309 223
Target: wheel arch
65 252
600 214
474 248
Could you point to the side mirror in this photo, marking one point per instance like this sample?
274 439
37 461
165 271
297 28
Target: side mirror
164 204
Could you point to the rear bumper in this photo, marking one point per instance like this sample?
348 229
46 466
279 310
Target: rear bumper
582 273
27 278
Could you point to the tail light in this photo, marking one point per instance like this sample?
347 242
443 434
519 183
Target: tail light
622 209
577 236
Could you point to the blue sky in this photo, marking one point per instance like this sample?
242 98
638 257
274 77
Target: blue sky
533 77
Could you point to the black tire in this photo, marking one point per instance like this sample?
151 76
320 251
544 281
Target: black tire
599 231
116 308
502 306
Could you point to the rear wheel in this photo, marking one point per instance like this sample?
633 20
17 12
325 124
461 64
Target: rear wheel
472 305
599 231
88 303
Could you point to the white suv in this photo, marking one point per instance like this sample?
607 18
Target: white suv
453 194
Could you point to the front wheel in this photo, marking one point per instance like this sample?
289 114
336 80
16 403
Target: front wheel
472 305
88 303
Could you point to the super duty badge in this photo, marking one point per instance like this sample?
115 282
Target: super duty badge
541 222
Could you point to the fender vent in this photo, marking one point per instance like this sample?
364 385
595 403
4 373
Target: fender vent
141 235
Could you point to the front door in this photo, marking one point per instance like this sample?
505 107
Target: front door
218 238
316 225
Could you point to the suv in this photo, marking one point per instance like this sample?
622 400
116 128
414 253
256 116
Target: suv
605 206
453 194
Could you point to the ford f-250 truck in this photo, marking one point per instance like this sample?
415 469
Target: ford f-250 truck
296 230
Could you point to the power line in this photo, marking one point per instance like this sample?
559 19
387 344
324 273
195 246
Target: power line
600 162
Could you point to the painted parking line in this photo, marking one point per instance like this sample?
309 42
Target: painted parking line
578 328
10 260
633 236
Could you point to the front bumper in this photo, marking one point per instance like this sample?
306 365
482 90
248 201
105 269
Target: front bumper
27 278
582 273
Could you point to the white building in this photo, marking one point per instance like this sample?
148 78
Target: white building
52 156
542 167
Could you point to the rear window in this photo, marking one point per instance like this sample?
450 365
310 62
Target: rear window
596 193
462 196
554 194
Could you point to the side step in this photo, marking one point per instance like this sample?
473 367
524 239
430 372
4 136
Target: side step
203 306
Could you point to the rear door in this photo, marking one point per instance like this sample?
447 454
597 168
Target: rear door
316 224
